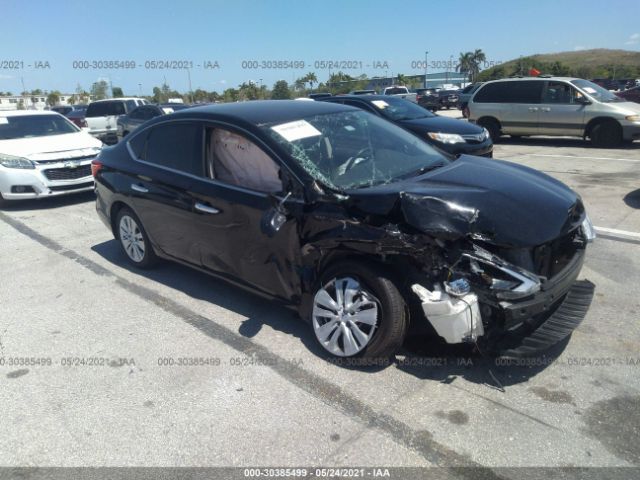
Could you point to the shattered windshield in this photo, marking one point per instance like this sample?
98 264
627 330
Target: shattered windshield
354 149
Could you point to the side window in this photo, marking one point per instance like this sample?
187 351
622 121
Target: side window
131 104
151 112
522 91
138 144
560 92
136 114
233 159
175 145
357 104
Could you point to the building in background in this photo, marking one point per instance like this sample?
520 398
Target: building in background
39 102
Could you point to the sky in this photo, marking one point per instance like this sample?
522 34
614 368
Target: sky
48 44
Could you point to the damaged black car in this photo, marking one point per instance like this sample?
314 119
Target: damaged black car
363 228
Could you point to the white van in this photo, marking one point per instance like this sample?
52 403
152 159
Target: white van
554 106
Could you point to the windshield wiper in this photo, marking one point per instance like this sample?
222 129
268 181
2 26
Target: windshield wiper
422 170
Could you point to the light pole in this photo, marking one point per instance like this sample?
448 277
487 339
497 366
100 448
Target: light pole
426 62
140 89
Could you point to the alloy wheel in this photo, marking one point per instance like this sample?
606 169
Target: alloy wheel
132 238
345 316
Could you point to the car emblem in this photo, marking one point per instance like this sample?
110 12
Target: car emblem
70 164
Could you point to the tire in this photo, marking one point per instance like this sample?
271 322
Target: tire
373 330
492 126
139 252
606 134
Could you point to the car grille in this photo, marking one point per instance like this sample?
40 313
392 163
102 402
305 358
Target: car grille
74 186
68 173
58 160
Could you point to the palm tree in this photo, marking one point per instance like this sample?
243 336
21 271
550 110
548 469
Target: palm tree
477 58
465 63
401 79
311 79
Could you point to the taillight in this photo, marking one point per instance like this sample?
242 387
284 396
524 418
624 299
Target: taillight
82 123
96 166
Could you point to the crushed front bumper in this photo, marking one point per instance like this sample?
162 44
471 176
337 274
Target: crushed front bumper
559 325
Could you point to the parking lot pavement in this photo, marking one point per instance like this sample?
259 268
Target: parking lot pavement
266 397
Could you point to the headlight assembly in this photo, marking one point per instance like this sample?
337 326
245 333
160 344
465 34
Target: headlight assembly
587 229
446 137
11 161
506 279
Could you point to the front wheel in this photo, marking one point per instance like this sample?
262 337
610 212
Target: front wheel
606 135
358 312
134 240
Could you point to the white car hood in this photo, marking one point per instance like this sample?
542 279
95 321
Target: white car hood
52 147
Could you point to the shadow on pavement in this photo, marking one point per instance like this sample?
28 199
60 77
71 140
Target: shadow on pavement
48 203
427 358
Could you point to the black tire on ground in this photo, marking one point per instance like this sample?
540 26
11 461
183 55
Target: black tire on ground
392 321
606 134
128 223
492 126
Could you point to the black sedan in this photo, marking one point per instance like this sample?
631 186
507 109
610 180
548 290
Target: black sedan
136 117
451 135
355 222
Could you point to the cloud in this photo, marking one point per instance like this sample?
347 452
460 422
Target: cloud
222 81
634 39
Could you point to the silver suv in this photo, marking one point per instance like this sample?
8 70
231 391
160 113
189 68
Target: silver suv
554 106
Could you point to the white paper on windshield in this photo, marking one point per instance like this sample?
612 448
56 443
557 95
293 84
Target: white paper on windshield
4 120
296 130
167 110
589 89
380 103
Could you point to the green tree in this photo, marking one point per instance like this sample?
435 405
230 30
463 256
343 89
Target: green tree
477 57
117 92
53 98
99 90
311 78
230 95
248 91
280 90
37 91
465 63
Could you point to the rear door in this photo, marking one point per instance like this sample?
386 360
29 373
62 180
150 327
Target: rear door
170 157
103 116
522 112
560 113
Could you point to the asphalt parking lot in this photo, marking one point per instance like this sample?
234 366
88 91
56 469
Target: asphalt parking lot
104 393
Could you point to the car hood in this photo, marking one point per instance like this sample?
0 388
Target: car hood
68 145
626 108
442 125
498 202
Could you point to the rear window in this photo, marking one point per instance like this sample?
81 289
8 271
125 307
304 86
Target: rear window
510 92
395 91
103 109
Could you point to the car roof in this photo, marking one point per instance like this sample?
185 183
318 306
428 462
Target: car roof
519 79
362 98
263 111
19 113
116 99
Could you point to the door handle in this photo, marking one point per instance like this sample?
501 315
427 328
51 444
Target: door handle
204 208
546 109
533 109
139 188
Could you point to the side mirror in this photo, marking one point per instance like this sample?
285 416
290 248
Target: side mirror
275 217
582 101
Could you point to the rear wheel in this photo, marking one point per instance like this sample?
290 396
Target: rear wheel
492 127
606 134
358 312
134 240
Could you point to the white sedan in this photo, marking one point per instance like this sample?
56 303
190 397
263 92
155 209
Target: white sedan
42 154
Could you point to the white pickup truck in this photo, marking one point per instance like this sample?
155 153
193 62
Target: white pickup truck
400 91
102 116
